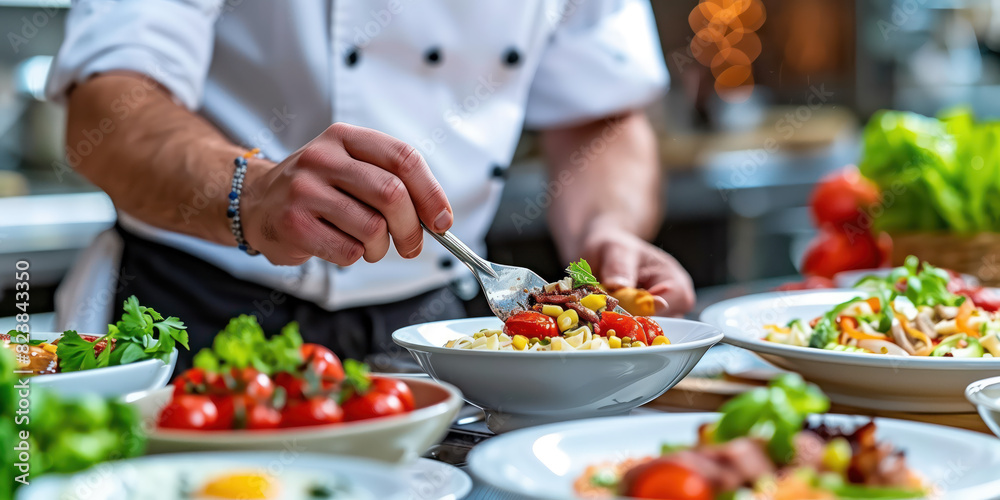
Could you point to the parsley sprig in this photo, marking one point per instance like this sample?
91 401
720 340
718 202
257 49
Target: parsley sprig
581 273
141 334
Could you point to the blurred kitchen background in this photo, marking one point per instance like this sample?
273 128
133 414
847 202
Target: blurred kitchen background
758 111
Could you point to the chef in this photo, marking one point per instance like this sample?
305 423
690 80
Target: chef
277 157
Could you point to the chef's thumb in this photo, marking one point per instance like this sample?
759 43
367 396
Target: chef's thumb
619 266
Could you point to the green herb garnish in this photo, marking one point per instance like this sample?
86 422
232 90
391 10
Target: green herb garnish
243 344
141 334
774 413
581 273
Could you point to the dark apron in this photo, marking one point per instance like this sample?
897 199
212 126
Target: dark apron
205 297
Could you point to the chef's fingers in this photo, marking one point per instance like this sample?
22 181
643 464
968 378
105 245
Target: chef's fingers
619 265
331 244
406 163
357 220
387 194
671 287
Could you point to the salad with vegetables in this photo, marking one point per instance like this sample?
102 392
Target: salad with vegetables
140 335
249 381
764 447
910 312
572 314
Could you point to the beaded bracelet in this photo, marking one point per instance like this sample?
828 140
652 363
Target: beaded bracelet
233 212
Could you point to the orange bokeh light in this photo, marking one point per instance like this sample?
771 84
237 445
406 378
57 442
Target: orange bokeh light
725 42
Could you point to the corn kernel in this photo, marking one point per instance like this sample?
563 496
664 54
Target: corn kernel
520 342
611 332
594 301
638 343
551 310
478 335
614 342
49 347
567 320
661 340
626 340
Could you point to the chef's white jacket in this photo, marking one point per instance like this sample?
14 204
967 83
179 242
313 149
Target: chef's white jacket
457 79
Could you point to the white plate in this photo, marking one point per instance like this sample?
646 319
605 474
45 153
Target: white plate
433 480
878 381
543 462
517 389
380 481
985 394
397 438
111 381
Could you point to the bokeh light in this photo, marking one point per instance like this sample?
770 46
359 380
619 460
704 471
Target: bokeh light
726 42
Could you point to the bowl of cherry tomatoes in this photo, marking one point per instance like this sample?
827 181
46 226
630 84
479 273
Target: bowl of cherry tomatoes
282 394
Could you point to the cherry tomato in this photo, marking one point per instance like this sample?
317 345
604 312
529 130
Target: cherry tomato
247 381
624 326
315 411
323 362
652 328
839 198
190 382
241 411
395 387
189 411
294 385
834 251
531 324
372 404
663 479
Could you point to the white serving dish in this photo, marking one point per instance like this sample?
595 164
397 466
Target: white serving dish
398 438
543 462
518 389
374 480
111 381
877 381
985 394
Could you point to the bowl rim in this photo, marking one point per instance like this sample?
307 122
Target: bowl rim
453 399
715 337
739 338
974 393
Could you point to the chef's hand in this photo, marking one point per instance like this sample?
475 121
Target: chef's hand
340 197
622 259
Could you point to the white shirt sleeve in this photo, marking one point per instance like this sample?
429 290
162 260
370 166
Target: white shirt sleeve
168 40
604 58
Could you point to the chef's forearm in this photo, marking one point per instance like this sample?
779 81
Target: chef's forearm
158 161
611 173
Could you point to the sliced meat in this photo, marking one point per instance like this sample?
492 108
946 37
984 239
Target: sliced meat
584 313
613 303
747 458
809 450
553 298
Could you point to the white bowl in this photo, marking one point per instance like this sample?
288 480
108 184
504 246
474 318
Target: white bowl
111 381
543 462
518 389
375 480
985 394
398 438
878 381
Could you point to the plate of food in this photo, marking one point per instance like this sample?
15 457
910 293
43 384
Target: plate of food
142 355
290 475
922 343
567 355
771 443
252 392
